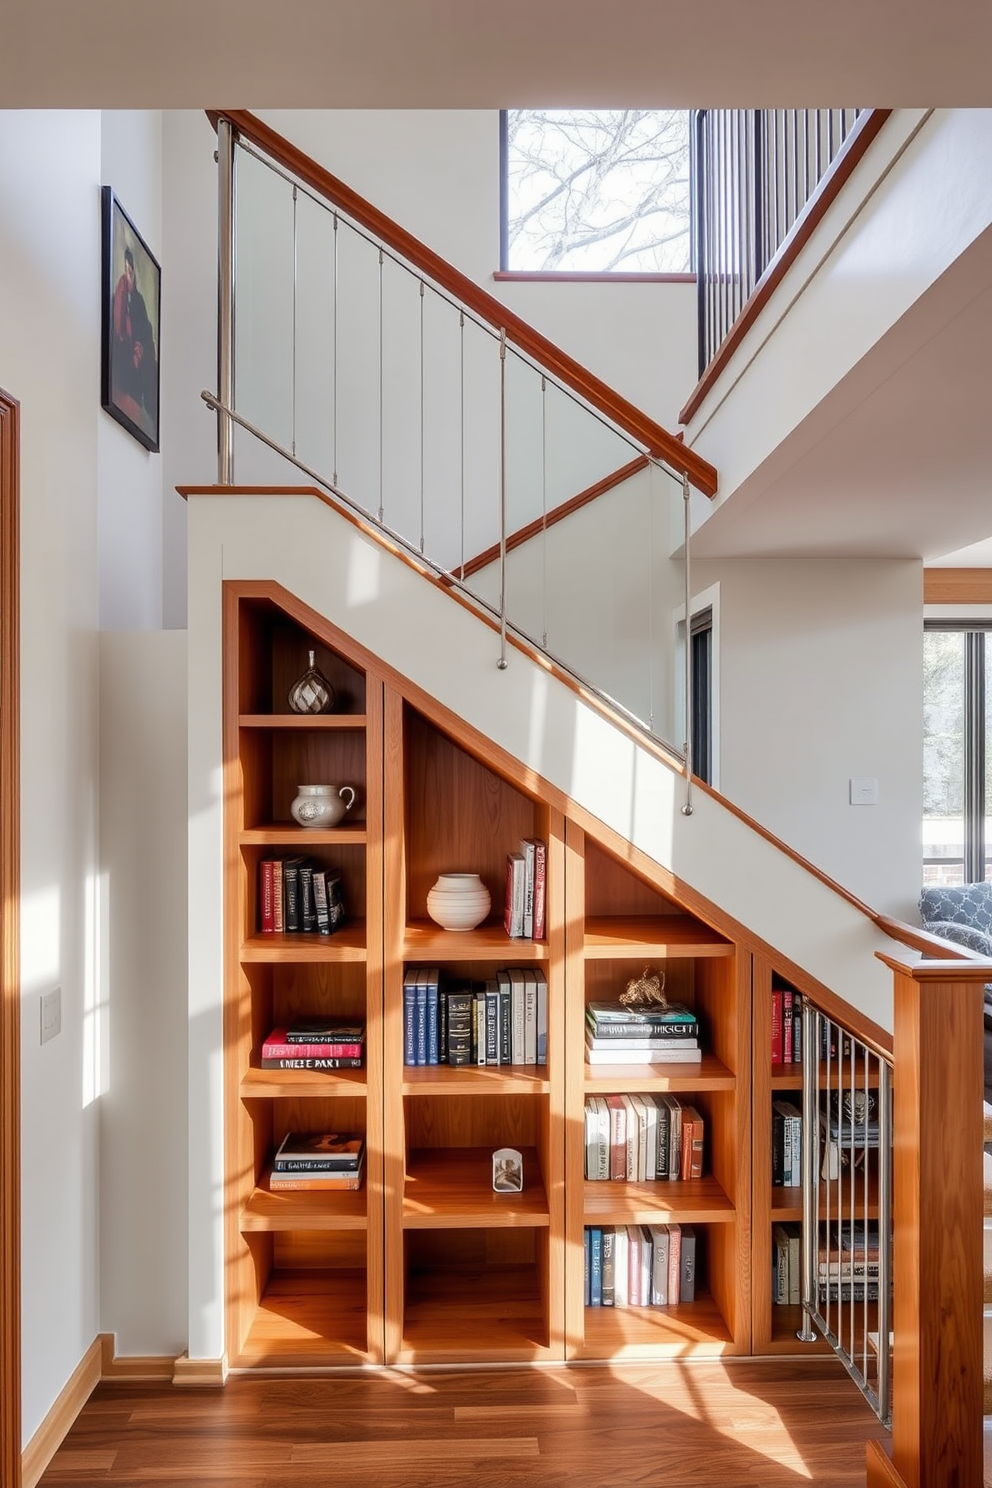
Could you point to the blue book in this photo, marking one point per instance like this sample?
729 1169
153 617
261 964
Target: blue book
432 976
409 1016
420 1019
595 1267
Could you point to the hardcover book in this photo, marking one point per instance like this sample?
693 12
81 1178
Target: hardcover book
513 911
324 1030
617 1012
336 1149
279 1046
311 1062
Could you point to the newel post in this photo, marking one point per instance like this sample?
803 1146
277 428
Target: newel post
937 1204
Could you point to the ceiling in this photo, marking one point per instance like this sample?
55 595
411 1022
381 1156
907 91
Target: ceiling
459 54
897 460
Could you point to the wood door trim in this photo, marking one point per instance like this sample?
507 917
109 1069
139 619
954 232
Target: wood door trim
10 983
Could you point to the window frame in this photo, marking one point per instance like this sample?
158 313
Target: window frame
975 860
576 276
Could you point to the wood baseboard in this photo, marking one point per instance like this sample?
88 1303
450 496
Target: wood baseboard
880 1471
114 1366
52 1432
202 1372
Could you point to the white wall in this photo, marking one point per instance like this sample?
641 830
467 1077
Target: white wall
822 679
130 485
50 171
143 900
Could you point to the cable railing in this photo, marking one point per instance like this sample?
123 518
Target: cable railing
343 358
847 1203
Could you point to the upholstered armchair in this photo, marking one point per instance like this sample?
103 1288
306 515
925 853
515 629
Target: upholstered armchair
963 914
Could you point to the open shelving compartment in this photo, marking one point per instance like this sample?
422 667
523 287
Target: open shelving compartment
304 1267
474 1274
620 924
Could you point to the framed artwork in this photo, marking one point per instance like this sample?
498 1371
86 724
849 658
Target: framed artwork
132 284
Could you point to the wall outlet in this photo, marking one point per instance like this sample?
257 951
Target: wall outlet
51 1014
864 792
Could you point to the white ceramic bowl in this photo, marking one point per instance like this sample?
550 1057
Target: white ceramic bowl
458 901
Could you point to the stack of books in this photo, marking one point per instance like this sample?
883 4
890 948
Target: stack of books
297 895
616 1034
787 1026
640 1265
847 1265
526 882
318 1160
315 1044
501 1020
642 1138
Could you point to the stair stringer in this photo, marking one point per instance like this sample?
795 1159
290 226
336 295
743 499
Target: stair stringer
445 651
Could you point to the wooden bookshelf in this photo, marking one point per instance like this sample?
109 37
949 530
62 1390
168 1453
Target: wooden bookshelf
425 1263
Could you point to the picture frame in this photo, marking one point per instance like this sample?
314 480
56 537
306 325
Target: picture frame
508 1170
130 326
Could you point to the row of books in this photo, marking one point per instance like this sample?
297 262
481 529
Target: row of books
848 1262
616 1034
641 1138
499 1020
526 890
787 1144
321 1161
787 1026
297 895
640 1265
787 1265
315 1044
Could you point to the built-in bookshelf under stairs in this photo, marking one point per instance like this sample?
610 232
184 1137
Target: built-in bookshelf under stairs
987 1294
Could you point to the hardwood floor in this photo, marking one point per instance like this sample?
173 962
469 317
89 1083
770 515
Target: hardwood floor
697 1424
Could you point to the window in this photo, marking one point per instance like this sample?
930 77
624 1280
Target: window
590 191
957 789
701 682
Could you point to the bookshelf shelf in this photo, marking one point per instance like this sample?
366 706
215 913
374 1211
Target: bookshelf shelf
694 1201
787 1077
451 1188
464 1313
302 839
303 1209
268 1084
488 942
468 1079
303 722
787 1204
710 1074
347 945
660 936
309 1322
687 1328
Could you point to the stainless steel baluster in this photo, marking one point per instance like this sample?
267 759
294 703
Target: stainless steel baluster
461 447
334 361
544 508
501 663
227 204
687 803
295 295
381 512
421 415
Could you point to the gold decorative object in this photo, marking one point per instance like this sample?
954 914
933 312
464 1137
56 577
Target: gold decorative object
647 990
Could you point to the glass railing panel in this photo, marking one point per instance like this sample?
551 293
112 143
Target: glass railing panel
264 322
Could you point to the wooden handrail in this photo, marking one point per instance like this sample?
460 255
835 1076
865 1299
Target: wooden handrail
658 441
857 142
557 514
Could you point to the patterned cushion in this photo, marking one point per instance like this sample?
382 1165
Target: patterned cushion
962 935
967 904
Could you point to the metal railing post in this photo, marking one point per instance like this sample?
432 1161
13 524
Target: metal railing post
687 803
501 664
226 189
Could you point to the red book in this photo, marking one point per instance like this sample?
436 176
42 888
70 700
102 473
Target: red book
787 1025
267 895
776 1026
691 1165
277 895
540 885
277 1047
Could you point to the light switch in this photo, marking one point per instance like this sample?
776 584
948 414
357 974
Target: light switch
864 791
51 1014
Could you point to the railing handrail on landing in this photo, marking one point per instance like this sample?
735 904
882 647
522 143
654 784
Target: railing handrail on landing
658 442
